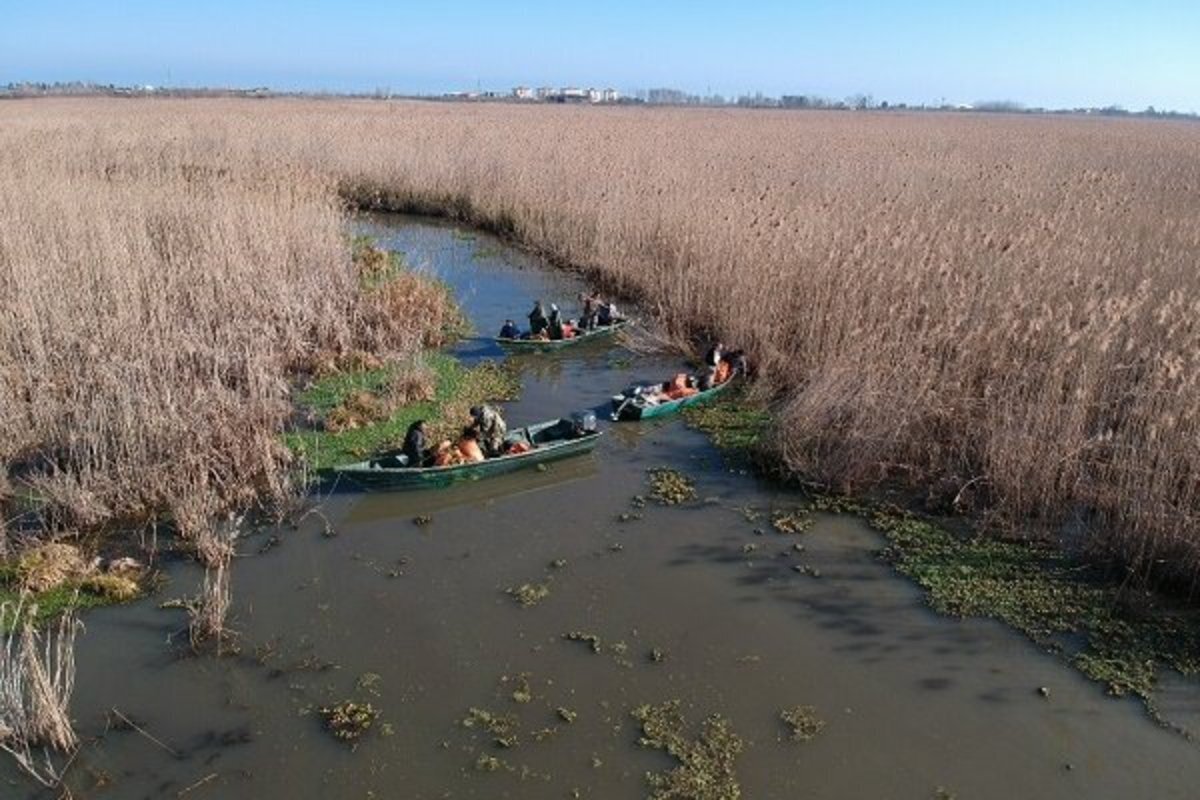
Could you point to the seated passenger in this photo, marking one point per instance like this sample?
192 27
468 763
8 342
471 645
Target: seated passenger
490 427
510 330
446 455
556 323
680 387
468 446
537 321
607 314
738 363
587 316
416 445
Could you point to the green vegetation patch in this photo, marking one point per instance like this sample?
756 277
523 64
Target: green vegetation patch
731 422
79 593
1123 641
456 389
706 761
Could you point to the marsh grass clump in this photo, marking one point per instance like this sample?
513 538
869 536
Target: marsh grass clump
670 487
706 761
348 720
803 723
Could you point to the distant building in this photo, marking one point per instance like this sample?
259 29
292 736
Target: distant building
524 93
609 96
546 93
574 93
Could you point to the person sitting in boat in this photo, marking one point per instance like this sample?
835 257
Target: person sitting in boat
712 365
607 314
537 321
447 455
510 330
468 446
732 363
587 317
557 331
679 387
491 428
416 445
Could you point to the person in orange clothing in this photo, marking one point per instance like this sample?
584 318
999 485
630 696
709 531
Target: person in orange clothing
468 446
680 387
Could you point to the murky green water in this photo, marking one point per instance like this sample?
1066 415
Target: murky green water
415 620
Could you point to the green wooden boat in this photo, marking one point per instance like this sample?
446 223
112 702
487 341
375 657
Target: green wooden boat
555 344
631 405
551 441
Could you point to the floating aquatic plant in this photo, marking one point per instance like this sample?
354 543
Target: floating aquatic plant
349 720
671 487
797 521
529 594
706 762
803 722
591 639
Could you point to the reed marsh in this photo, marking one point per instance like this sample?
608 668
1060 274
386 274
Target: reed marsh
995 309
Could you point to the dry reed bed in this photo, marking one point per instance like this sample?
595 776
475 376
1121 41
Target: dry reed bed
1002 304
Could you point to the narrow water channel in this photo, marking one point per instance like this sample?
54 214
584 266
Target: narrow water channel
415 620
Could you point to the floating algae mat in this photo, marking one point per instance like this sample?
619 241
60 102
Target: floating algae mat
706 761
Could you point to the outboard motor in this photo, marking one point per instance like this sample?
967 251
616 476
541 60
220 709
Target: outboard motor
583 423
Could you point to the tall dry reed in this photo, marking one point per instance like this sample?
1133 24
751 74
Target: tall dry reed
1000 308
37 678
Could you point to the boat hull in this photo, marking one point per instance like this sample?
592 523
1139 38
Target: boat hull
371 475
633 412
537 345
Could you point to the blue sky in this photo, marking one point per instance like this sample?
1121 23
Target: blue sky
1051 53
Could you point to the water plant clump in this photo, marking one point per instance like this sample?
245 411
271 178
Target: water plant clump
566 715
803 722
706 761
790 522
529 594
502 727
522 690
349 720
671 487
590 639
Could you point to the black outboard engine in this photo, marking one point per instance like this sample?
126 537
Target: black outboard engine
583 423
